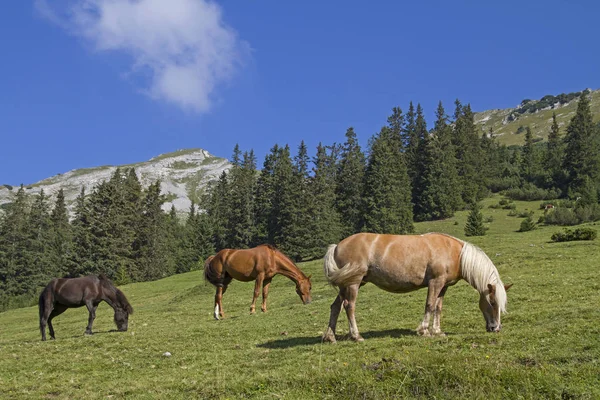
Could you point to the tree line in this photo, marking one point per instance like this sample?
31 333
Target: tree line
299 203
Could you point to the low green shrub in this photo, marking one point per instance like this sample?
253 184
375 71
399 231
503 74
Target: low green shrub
577 234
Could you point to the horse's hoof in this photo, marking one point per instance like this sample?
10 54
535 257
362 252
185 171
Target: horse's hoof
88 333
423 332
328 338
439 334
357 339
216 317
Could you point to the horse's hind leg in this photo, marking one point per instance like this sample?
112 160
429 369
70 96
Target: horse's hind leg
434 289
218 307
46 310
437 314
257 287
350 295
58 309
265 291
336 307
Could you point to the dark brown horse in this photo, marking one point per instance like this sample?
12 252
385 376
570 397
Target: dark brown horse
89 291
260 263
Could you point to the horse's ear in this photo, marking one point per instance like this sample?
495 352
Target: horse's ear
491 288
309 276
506 287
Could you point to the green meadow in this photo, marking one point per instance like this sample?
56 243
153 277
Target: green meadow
549 346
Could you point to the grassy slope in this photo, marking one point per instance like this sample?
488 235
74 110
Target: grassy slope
549 347
539 122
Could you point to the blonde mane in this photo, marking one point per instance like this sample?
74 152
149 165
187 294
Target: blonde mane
477 269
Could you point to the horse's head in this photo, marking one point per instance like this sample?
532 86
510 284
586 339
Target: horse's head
121 319
122 311
492 304
303 288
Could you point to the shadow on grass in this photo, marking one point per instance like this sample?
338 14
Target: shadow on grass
308 341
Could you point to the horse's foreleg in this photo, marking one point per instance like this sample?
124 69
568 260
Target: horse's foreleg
265 293
336 307
434 289
437 315
92 310
350 295
257 287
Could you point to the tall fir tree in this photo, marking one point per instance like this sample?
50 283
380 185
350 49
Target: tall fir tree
582 155
474 225
285 185
528 160
324 227
14 256
438 197
349 181
81 258
39 268
240 219
264 220
217 207
387 193
553 157
469 156
60 237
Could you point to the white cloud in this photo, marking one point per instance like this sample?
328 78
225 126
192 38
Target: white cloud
184 44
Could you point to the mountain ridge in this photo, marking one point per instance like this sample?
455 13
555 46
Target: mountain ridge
184 174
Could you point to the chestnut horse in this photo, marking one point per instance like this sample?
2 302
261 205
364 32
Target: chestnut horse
403 263
89 291
260 263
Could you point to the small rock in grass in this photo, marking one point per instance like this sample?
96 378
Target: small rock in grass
166 354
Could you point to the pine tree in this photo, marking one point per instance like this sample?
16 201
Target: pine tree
474 225
81 259
240 219
217 207
325 227
439 195
420 162
411 143
468 153
149 245
387 192
297 227
553 158
264 220
39 268
582 150
349 181
60 237
284 200
528 160
14 256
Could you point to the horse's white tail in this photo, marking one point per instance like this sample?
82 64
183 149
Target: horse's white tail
329 265
349 274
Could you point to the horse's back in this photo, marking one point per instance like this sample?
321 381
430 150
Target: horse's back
400 262
73 291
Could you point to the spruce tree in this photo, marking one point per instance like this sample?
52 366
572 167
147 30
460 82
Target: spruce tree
387 193
81 259
13 249
324 227
439 195
528 160
474 225
581 161
285 185
218 209
39 268
240 226
60 237
264 221
349 181
553 157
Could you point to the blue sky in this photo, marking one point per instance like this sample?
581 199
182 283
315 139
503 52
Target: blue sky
85 83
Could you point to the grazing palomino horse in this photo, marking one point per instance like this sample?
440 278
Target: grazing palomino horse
89 291
260 263
403 263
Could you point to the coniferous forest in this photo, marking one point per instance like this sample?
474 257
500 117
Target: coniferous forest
300 203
